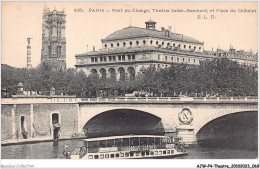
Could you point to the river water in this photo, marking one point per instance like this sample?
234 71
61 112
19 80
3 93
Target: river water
230 137
48 150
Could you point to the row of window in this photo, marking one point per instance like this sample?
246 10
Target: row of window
112 58
131 154
151 43
132 57
178 59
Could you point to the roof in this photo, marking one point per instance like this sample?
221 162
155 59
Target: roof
136 32
121 137
20 84
150 21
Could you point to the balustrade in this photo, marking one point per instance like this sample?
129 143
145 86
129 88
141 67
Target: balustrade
17 100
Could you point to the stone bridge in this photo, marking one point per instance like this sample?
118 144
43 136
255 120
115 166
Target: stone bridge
45 117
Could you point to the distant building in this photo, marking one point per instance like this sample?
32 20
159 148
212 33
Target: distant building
53 38
129 51
240 56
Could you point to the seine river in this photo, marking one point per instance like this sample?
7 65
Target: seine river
230 137
48 150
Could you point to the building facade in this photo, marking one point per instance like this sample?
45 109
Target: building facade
130 51
53 38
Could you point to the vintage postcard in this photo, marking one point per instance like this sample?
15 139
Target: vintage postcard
112 81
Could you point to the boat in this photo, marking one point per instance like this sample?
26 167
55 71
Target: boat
129 147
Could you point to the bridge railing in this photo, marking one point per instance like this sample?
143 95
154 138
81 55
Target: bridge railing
28 100
127 99
172 99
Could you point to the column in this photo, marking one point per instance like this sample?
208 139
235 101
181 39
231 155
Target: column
118 76
79 121
31 118
13 121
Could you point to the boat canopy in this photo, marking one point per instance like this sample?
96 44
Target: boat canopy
122 137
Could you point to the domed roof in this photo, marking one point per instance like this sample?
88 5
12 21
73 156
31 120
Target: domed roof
136 32
150 21
20 84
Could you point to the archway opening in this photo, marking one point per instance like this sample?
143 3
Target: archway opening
112 74
123 122
122 74
94 72
56 125
103 74
131 72
23 130
233 131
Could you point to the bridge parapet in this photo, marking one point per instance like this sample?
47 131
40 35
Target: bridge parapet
172 99
29 100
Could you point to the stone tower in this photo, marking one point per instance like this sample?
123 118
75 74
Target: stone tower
53 38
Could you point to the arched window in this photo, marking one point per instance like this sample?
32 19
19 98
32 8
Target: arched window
194 47
94 72
112 74
130 43
144 42
179 45
117 44
162 43
122 74
174 44
189 47
112 45
151 42
184 46
199 48
168 44
105 45
124 44
137 43
131 72
103 74
157 42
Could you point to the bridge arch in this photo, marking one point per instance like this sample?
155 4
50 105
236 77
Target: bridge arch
122 122
207 119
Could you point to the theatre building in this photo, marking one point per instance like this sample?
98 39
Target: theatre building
131 50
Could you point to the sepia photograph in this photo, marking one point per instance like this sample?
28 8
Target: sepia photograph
98 80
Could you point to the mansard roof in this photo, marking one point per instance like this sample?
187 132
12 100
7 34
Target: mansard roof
140 49
136 32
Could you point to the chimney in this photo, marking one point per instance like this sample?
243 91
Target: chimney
170 28
163 28
93 48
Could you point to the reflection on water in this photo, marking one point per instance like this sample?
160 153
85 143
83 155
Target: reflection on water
44 150
229 137
48 150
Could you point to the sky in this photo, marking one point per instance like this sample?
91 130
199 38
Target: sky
24 19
